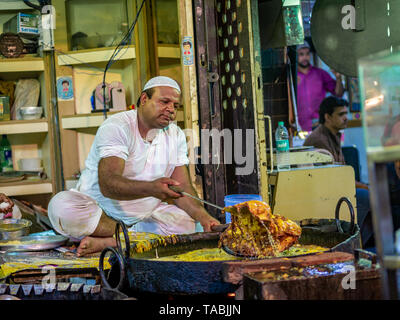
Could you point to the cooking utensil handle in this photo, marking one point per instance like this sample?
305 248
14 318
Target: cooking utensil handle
118 239
351 209
121 268
219 228
178 190
175 189
371 256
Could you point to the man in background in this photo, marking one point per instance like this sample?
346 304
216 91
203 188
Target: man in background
312 86
333 119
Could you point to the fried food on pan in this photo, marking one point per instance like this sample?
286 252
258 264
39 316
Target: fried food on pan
256 231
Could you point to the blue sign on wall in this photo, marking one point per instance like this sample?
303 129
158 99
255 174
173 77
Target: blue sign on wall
187 51
65 89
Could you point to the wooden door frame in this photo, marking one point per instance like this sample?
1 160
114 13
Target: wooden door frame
214 179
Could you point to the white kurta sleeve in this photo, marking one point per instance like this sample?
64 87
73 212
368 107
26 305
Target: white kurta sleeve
182 149
112 141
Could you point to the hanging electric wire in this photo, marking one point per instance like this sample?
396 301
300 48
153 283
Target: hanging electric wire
125 41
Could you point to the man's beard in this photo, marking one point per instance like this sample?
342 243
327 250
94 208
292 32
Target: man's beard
304 65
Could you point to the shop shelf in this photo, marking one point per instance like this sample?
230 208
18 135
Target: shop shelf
26 187
94 120
87 120
169 51
95 55
24 64
23 126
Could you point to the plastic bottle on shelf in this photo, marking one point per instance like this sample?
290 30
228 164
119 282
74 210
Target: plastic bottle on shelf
282 147
5 155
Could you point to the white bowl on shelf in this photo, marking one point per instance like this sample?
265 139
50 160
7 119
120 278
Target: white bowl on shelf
31 113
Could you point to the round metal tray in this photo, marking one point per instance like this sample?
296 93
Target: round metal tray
33 243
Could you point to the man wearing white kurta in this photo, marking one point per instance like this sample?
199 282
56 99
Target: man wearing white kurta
135 156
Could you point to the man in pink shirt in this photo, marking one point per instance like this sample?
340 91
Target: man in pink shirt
312 86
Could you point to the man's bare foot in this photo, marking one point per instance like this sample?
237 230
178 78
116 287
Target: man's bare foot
94 244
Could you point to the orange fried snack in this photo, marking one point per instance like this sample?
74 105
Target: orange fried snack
256 232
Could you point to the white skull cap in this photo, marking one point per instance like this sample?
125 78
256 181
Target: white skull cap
162 81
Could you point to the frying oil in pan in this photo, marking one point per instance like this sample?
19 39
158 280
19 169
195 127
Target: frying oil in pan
216 254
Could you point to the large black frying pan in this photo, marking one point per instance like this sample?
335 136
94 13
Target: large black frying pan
139 272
